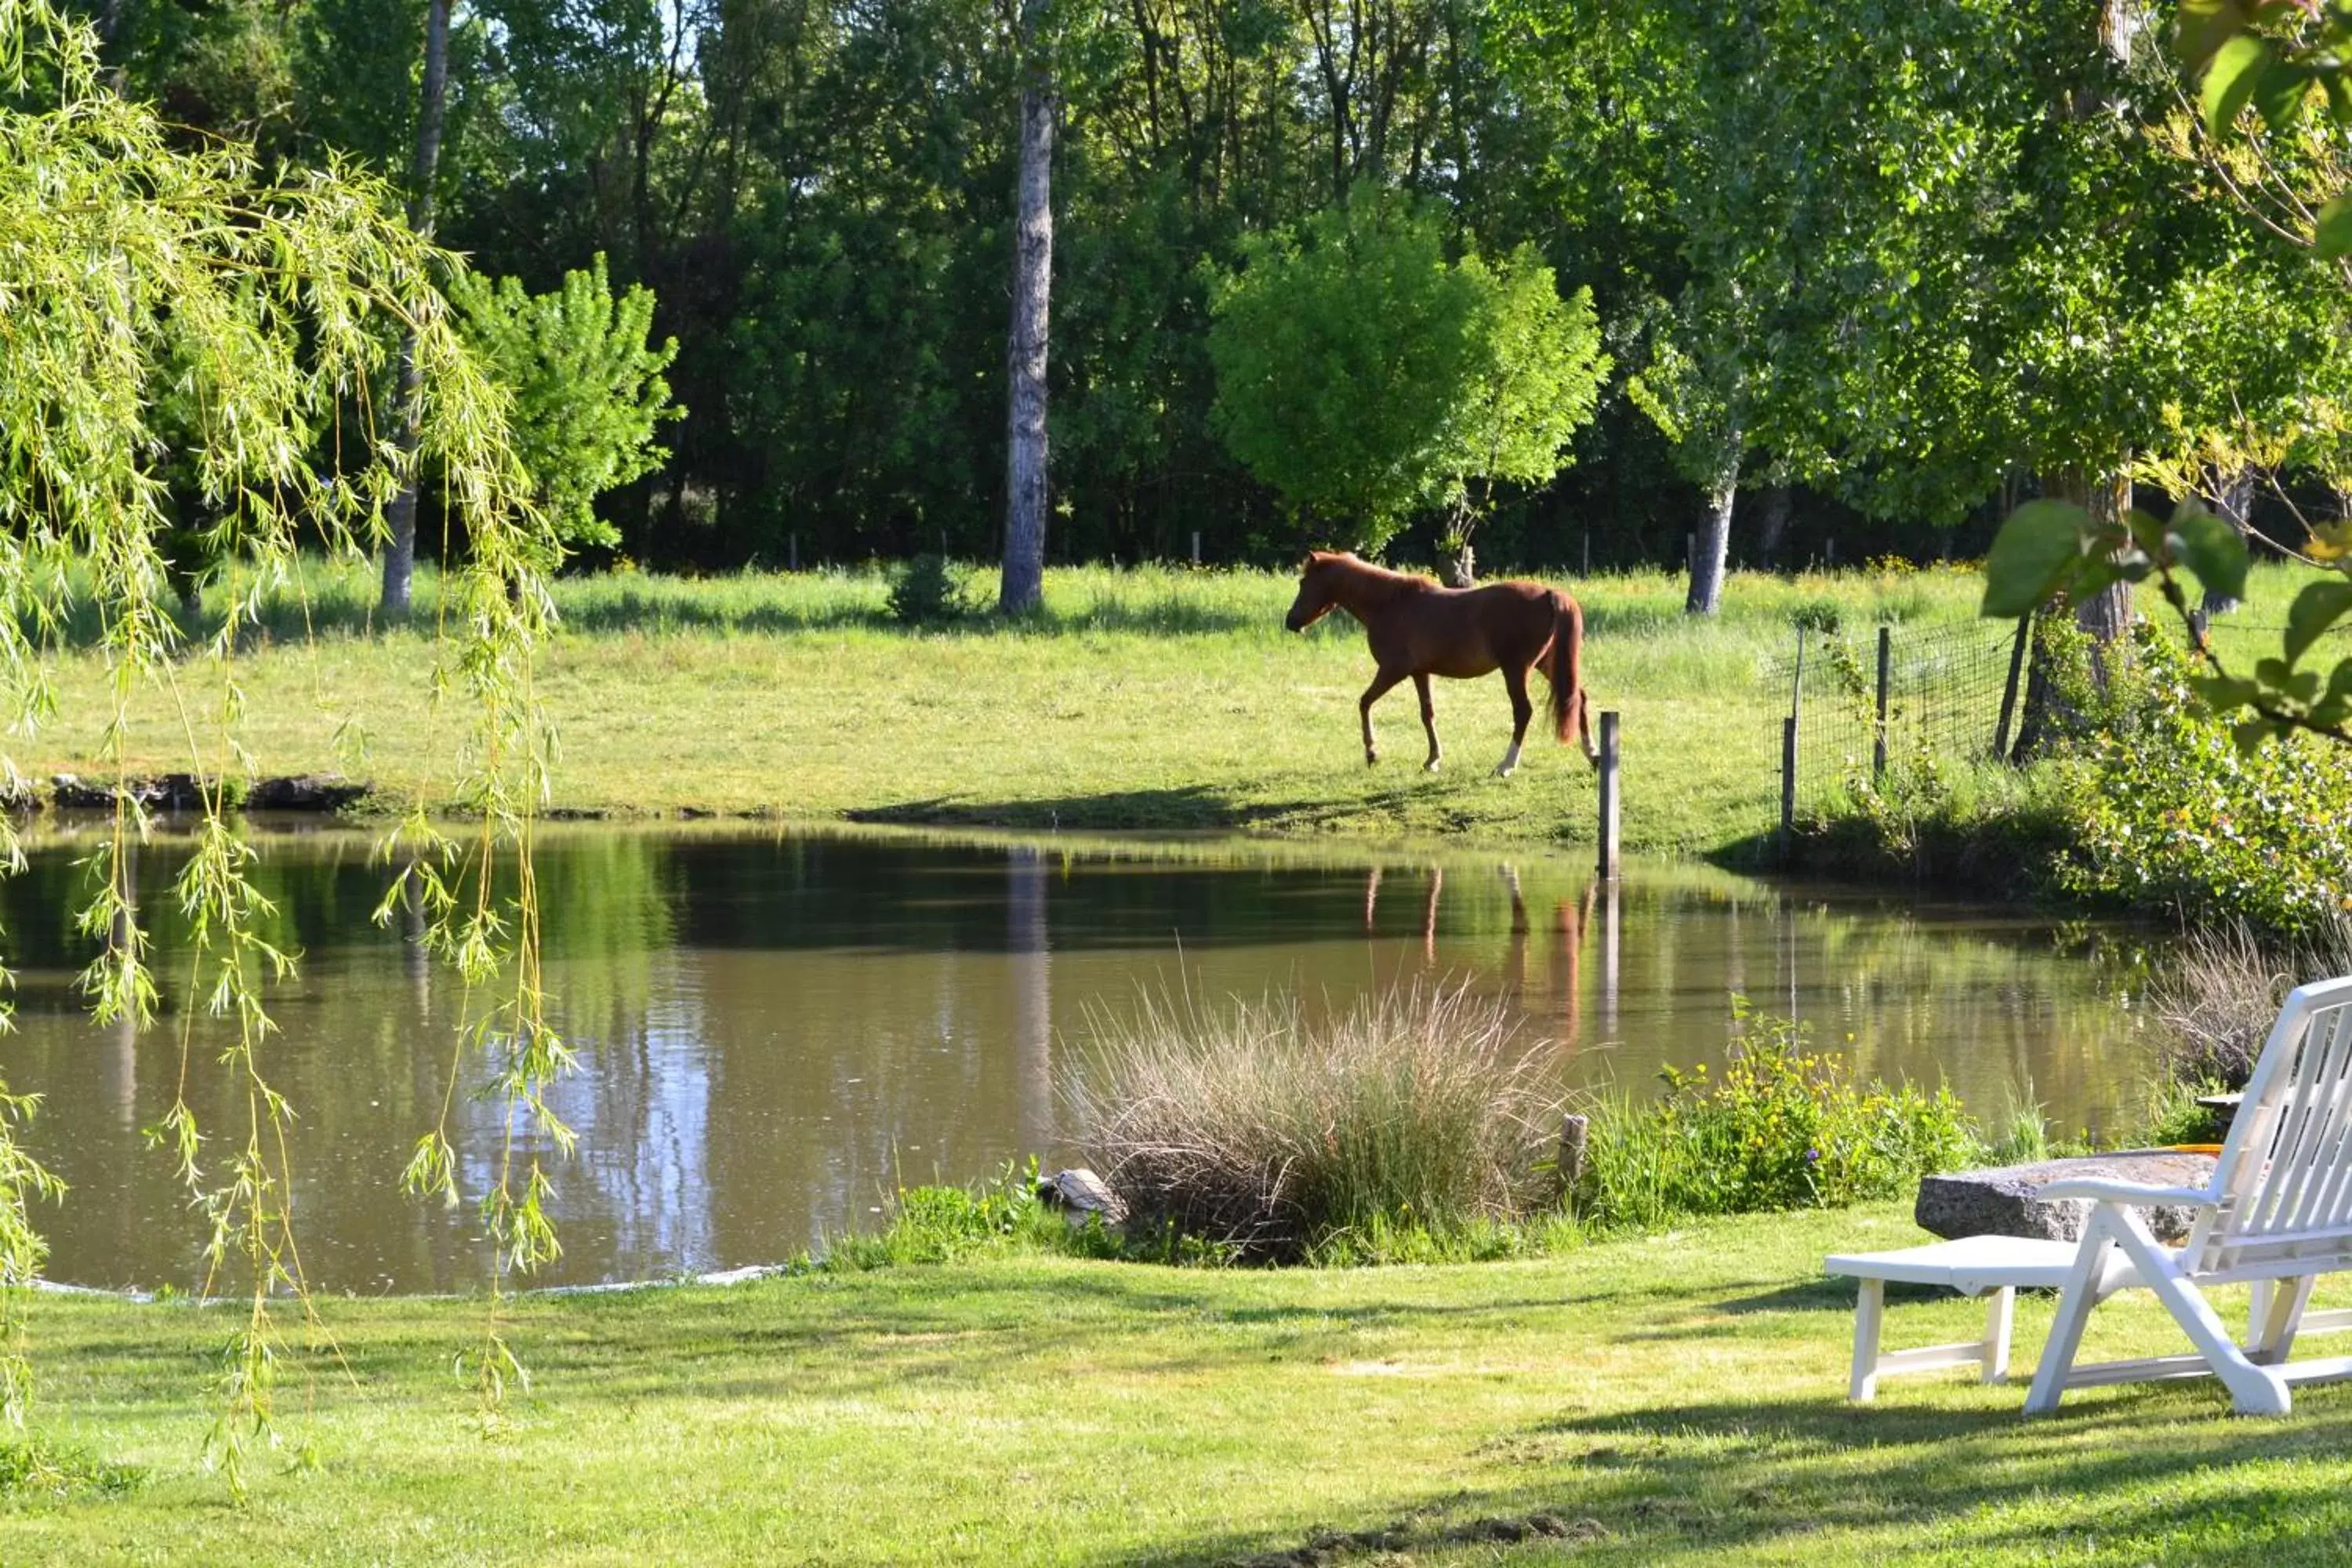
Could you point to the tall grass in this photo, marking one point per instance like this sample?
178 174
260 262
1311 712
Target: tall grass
2222 993
1282 1135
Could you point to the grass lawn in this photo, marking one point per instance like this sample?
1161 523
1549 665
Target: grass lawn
1151 698
1681 1393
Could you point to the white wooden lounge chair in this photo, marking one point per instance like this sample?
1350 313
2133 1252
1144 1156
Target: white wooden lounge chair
2276 1214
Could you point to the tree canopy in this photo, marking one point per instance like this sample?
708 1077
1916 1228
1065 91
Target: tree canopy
1365 377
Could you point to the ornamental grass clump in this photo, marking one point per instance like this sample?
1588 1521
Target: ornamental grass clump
1782 1126
2221 992
1280 1134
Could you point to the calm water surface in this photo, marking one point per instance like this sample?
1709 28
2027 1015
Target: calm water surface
776 1029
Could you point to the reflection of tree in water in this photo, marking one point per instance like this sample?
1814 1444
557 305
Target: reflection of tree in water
1026 940
642 1105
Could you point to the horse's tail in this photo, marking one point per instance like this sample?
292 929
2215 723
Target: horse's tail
1564 668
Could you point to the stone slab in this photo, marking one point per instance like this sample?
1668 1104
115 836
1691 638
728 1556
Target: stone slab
2006 1200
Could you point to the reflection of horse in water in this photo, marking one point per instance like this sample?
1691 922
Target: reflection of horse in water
1420 630
1570 918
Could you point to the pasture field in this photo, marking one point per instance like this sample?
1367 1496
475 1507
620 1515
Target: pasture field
1146 699
1671 1399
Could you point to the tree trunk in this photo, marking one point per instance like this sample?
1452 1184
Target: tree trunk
1774 528
1457 563
400 553
1033 269
1711 546
2233 503
2105 615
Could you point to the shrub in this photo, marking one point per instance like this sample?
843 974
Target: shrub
2166 812
1782 1127
589 395
930 589
944 1223
1282 1136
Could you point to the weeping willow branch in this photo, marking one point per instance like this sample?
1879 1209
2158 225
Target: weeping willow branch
165 310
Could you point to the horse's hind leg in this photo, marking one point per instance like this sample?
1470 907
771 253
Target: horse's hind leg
1514 678
1381 687
1428 719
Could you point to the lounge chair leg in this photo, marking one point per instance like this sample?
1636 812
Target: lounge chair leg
2253 1390
1869 1310
2080 1294
2000 1312
2281 1304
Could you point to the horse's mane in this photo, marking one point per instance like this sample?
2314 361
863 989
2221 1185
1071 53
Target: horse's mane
1377 583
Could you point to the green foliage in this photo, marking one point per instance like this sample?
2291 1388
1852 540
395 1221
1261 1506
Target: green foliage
587 386
2166 811
934 1225
157 260
929 590
1934 821
2258 68
38 1469
2174 1117
1783 1126
1368 378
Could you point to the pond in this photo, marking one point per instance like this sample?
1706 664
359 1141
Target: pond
776 1029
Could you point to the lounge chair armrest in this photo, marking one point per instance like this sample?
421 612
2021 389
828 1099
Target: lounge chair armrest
2132 1193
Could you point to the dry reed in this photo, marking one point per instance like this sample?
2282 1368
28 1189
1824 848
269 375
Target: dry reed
1279 1133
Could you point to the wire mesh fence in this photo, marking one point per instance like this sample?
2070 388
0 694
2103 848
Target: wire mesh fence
1890 695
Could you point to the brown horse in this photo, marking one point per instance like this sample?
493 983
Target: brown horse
1420 630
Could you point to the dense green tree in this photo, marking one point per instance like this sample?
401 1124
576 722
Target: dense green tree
589 396
1367 377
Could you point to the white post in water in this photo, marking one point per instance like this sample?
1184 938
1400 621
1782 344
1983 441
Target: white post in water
1608 795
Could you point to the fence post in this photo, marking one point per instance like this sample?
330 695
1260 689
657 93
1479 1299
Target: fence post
2009 691
1886 672
1196 547
1608 795
793 545
1788 782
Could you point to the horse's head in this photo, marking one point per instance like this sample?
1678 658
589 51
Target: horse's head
1318 582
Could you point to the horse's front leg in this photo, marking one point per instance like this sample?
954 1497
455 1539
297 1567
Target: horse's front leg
1381 685
1428 719
1514 678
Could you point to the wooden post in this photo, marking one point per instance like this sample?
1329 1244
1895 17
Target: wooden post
2009 691
1574 1133
1886 672
1788 780
1609 794
1196 547
1587 550
792 551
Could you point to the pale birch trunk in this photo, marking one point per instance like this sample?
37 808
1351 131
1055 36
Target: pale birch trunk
1026 487
1711 548
400 551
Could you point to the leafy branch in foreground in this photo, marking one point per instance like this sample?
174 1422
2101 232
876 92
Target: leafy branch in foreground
140 274
2047 548
2262 67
